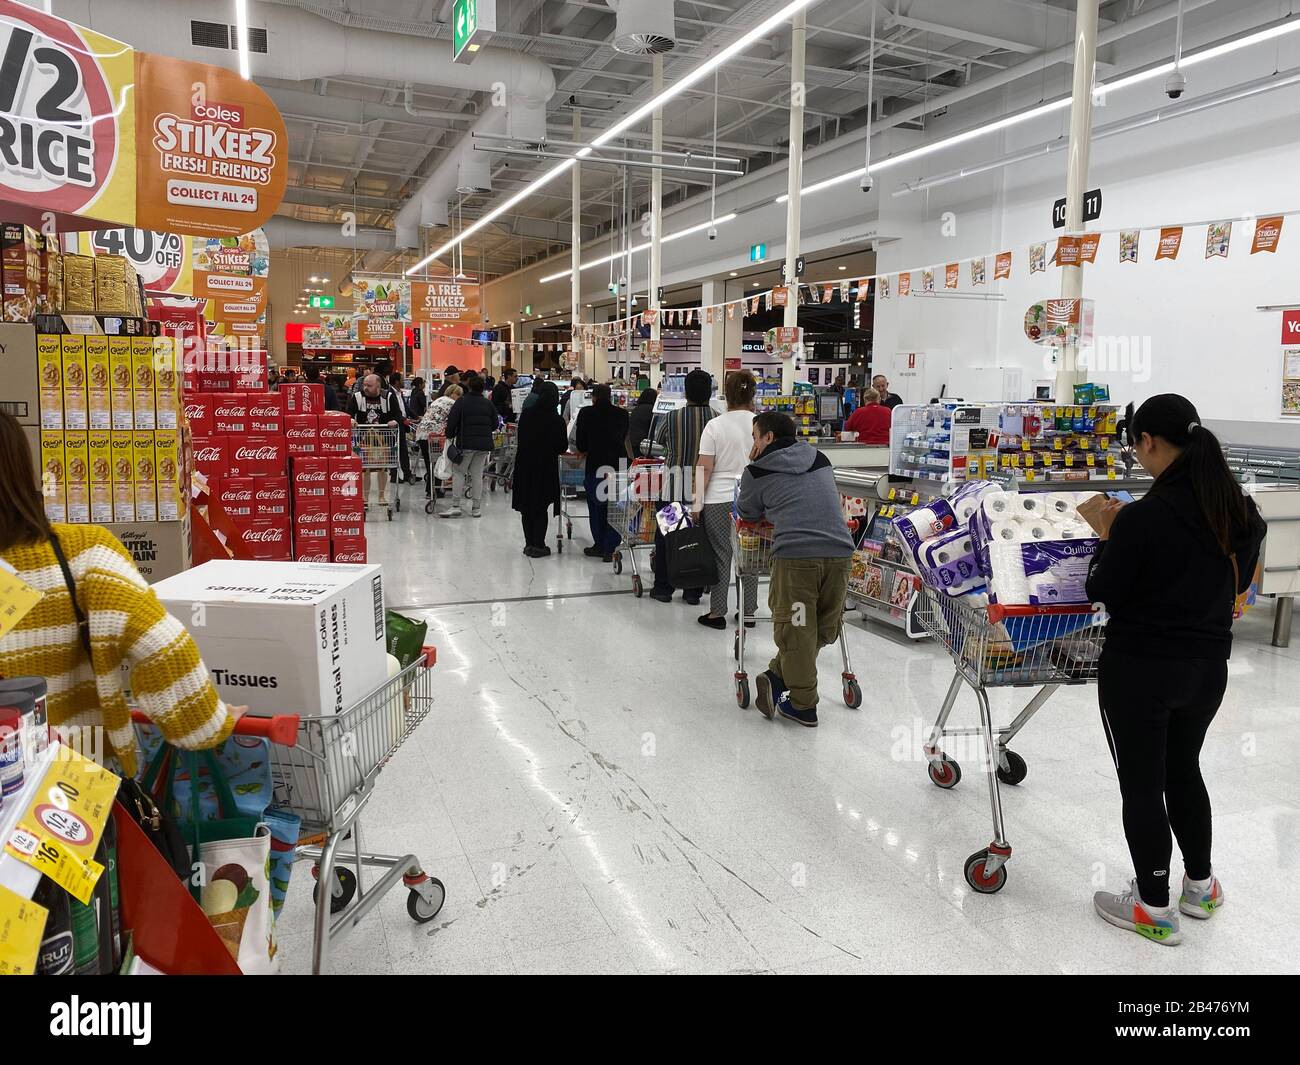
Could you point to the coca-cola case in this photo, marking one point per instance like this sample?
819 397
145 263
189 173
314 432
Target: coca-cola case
216 381
271 498
312 551
300 432
268 539
335 433
199 408
230 414
353 551
311 522
266 413
345 477
250 374
211 457
303 398
257 456
309 478
347 519
235 494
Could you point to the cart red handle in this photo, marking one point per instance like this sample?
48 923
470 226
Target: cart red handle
998 611
281 729
430 655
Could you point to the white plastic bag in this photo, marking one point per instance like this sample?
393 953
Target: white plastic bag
442 469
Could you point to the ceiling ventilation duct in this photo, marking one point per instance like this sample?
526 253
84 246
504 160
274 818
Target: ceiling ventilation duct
643 27
473 171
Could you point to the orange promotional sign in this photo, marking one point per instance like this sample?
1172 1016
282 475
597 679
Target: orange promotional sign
862 290
1002 265
950 275
379 330
780 297
1067 251
243 306
1268 231
446 300
904 284
1088 247
1171 238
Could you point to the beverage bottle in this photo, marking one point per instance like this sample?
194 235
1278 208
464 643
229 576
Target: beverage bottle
56 954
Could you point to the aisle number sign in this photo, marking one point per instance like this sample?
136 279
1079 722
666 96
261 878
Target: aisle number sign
470 19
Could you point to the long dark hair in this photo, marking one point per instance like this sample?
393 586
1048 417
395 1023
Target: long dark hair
22 510
1222 501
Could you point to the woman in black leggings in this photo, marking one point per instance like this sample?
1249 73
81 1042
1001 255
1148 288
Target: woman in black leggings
1168 569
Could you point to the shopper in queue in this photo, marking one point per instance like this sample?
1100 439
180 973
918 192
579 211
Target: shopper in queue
679 435
888 399
870 421
373 405
97 615
470 425
1168 569
450 376
502 397
724 453
542 439
639 420
432 431
600 434
792 485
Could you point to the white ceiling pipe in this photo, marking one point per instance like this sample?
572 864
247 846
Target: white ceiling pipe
285 232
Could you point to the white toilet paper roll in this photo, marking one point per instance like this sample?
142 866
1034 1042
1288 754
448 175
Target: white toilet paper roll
965 508
1037 530
1008 532
1058 504
1027 506
951 552
1077 531
999 505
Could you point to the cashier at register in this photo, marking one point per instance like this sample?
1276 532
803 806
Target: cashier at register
871 420
887 398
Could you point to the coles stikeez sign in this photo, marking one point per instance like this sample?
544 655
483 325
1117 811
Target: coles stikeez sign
93 131
446 300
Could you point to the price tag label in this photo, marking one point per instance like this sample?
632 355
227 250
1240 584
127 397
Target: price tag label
1069 460
1029 460
17 598
1015 461
1103 443
22 923
916 498
893 493
1092 460
1047 459
1030 475
1110 459
1110 475
1024 444
1085 442
1058 444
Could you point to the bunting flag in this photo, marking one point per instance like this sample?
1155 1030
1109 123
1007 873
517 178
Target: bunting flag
845 286
731 312
828 293
649 316
882 288
1088 244
1268 232
1067 251
927 279
863 284
1002 265
780 297
815 294
709 315
1218 235
1171 239
904 284
1037 258
977 268
1128 245
950 275
695 315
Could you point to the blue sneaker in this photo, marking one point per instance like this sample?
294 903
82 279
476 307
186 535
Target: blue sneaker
787 709
770 689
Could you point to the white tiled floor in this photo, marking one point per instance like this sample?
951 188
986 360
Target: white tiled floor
594 800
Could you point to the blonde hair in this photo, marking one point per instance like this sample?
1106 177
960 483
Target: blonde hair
454 391
870 396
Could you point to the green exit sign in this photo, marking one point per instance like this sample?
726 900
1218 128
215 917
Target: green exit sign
528 308
323 303
757 253
470 20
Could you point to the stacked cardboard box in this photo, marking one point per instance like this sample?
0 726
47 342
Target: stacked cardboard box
39 279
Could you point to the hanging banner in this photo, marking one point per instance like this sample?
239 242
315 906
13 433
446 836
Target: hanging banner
1129 239
1067 251
780 297
649 316
1171 238
1037 258
904 284
731 312
1002 265
950 273
164 261
339 328
382 297
977 268
1088 244
708 315
1268 232
882 287
653 351
863 288
845 290
243 307
927 280
446 300
380 330
1057 322
1218 235
226 267
828 293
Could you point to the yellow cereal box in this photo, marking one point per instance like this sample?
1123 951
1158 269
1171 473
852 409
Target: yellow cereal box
49 369
76 461
122 463
99 407
142 387
74 381
100 462
167 459
54 485
167 382
144 475
121 404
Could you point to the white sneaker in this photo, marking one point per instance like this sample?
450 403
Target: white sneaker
477 512
1200 898
451 512
1127 910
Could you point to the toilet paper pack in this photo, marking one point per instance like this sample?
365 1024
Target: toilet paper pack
950 563
1040 571
921 525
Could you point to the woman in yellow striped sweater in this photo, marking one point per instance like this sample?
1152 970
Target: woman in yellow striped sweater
127 626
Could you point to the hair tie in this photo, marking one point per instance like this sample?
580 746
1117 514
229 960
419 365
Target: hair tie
1191 426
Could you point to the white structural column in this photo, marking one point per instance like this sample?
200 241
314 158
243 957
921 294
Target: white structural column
713 350
1076 183
575 255
656 216
798 38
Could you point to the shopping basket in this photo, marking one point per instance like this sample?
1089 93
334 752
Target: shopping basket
631 513
997 646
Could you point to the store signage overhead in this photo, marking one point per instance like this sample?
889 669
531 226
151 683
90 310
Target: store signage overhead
471 22
93 131
1091 209
448 300
322 303
757 253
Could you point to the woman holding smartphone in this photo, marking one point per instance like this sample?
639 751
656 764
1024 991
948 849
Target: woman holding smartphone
1168 569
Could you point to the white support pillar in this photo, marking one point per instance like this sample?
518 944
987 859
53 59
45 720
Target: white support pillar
575 250
656 216
798 38
713 348
1076 184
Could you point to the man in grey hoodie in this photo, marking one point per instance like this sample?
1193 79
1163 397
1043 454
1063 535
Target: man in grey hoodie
792 485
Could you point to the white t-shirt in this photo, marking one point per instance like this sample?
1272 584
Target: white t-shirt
729 439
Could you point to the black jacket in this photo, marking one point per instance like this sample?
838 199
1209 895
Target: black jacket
471 423
601 435
417 405
501 400
1165 582
543 438
638 426
378 411
891 400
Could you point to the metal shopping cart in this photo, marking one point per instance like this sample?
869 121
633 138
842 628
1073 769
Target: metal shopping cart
573 480
631 513
437 444
501 464
1003 646
380 452
751 550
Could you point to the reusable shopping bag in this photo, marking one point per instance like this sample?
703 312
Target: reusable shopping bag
245 764
690 559
286 829
404 637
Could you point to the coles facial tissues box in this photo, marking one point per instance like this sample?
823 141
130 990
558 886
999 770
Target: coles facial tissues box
281 637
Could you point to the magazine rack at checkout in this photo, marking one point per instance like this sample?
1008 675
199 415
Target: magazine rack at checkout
324 768
996 646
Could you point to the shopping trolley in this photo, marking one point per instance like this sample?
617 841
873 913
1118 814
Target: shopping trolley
631 513
573 479
437 444
501 463
1003 646
379 451
751 551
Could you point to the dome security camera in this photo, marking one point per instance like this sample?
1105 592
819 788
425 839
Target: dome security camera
1175 85
713 232
867 183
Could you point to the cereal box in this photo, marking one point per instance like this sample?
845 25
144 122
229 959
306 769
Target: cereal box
49 370
121 406
20 268
144 475
167 460
99 408
100 462
123 469
167 382
142 387
54 485
74 381
76 463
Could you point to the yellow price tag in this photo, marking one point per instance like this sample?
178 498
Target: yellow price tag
1092 460
916 498
17 598
1110 475
1058 444
1110 459
22 923
1085 442
1048 459
893 493
1030 475
1029 460
1015 460
1006 462
1024 444
1069 459
1103 443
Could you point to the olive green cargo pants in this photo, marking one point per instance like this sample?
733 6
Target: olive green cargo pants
806 598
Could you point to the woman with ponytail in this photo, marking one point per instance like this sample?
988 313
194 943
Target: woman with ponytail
1169 568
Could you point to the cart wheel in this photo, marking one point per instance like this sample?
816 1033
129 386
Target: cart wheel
618 562
742 693
637 589
399 502
347 881
1015 771
978 880
947 774
421 910
559 544
428 507
390 513
852 694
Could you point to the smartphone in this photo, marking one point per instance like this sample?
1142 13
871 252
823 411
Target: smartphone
1123 497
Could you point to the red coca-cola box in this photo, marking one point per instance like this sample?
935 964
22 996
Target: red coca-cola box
265 412
198 412
335 433
345 477
257 456
250 374
347 519
230 414
312 551
271 498
212 458
300 432
268 540
235 494
311 521
216 381
309 478
303 398
349 551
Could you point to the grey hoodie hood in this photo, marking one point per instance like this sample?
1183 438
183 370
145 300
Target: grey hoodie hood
797 456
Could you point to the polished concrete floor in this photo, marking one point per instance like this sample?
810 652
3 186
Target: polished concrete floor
594 800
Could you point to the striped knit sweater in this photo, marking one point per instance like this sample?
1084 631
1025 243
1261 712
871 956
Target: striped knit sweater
128 627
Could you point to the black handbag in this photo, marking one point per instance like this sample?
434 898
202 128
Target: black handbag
454 454
690 559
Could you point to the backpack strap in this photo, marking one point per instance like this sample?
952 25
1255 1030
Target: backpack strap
83 626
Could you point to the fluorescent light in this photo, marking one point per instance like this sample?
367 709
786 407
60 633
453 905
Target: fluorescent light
733 273
642 247
241 36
